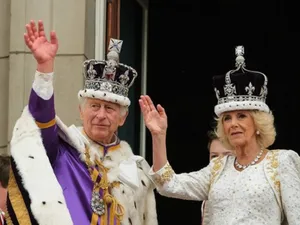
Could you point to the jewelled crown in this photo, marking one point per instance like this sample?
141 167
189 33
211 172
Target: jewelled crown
108 79
241 89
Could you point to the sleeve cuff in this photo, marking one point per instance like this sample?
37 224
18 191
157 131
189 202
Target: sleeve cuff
162 176
43 85
46 125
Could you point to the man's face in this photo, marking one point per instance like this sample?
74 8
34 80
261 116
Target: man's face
101 119
216 149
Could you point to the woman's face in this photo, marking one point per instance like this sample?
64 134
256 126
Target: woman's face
239 128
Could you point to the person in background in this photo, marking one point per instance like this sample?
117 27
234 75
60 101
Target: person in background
216 149
215 146
4 177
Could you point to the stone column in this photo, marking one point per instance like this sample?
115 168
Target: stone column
4 72
68 19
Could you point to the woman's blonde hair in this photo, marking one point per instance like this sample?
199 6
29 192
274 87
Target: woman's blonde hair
264 124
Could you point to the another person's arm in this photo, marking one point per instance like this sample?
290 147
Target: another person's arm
156 121
192 186
187 186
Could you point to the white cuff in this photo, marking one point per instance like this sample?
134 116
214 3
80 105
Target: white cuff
160 171
162 176
43 85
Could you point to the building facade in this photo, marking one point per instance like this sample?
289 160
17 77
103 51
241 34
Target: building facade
83 28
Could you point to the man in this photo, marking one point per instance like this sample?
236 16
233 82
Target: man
215 149
77 175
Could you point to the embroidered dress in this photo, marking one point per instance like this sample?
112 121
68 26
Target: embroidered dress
262 194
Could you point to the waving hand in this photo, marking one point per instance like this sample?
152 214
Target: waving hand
35 39
155 118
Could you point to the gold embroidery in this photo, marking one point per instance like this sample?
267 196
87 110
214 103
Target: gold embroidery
166 176
17 202
274 166
216 168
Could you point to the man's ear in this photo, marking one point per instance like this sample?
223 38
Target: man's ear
80 112
123 119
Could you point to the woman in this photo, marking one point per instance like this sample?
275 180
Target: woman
256 186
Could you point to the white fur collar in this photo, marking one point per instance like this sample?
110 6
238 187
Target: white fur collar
122 163
47 200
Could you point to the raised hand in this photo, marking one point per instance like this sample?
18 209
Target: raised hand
155 118
43 50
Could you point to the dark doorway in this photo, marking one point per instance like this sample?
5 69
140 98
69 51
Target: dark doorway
191 41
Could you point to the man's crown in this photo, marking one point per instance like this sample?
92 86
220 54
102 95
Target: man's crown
108 79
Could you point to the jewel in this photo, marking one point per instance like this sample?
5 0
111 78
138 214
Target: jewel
251 163
97 204
105 86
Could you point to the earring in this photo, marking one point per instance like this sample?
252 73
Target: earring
257 132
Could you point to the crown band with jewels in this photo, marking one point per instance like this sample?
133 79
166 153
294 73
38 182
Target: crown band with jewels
241 89
108 80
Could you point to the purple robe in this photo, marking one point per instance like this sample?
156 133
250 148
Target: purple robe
50 182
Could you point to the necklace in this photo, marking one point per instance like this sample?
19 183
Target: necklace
251 163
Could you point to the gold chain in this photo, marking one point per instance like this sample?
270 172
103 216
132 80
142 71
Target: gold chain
117 210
